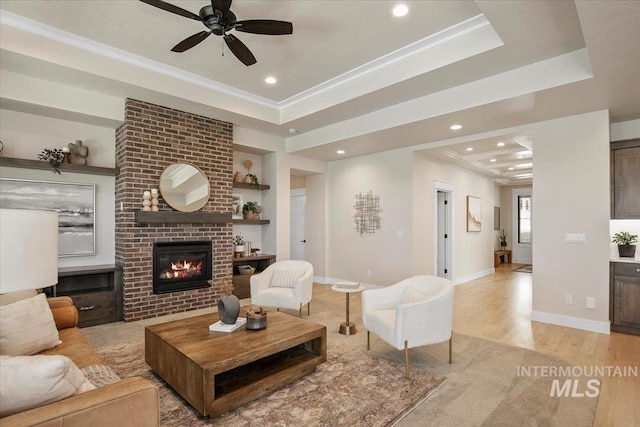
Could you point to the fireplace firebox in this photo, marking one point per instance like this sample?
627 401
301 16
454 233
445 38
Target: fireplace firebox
181 266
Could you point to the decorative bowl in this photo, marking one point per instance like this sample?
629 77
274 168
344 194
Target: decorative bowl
257 323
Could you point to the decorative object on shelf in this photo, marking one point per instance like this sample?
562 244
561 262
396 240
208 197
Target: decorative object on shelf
146 201
251 179
67 154
246 270
249 210
236 206
53 156
247 248
78 152
254 251
258 211
154 199
1 146
256 317
367 216
503 238
238 246
625 242
228 306
74 204
238 177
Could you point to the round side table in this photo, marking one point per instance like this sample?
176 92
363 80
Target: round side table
347 328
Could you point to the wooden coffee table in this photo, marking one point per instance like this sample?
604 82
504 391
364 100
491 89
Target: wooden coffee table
217 371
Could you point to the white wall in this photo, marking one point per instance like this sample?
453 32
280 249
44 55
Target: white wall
381 258
571 191
25 135
472 251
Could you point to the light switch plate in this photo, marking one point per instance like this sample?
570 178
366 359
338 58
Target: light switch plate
576 238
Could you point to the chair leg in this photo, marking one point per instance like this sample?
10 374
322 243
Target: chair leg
277 308
368 340
309 308
451 350
406 359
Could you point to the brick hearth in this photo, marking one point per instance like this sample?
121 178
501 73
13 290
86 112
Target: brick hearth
152 138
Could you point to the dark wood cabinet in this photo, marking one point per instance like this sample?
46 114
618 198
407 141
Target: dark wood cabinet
624 298
96 292
241 281
625 179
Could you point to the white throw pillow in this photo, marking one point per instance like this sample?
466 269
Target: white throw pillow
411 294
285 278
27 327
32 381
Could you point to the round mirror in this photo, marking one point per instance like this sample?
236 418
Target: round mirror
184 187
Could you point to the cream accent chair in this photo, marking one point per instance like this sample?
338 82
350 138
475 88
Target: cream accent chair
411 313
266 292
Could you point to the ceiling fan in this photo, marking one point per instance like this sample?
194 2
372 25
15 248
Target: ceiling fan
219 20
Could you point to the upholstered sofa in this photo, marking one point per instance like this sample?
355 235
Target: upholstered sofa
127 402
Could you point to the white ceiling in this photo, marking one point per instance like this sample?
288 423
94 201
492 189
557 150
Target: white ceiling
351 76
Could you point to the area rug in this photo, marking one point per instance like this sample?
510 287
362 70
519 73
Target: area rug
353 388
525 268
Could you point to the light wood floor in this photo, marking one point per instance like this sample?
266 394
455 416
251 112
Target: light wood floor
498 307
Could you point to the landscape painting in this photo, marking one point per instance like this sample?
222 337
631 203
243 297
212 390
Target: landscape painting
74 203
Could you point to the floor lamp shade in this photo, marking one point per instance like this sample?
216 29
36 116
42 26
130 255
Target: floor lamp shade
28 249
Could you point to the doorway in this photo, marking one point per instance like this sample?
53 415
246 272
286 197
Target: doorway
443 230
297 236
522 230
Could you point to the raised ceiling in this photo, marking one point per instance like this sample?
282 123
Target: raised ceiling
352 76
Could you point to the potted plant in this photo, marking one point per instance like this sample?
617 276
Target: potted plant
251 179
503 239
249 210
238 246
625 242
53 156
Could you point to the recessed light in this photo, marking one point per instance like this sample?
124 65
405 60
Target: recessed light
510 169
521 157
271 80
400 10
500 144
469 148
340 151
455 127
492 160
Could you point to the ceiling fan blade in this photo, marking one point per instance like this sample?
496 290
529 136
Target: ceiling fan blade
191 41
221 5
239 50
264 26
171 8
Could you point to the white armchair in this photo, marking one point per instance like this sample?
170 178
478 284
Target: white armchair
284 284
414 312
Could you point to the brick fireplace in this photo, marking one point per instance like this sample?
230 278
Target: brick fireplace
152 138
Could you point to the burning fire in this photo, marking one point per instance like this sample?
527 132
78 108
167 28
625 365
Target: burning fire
182 269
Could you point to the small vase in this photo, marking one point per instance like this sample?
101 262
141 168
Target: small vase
228 308
237 177
248 179
249 215
503 244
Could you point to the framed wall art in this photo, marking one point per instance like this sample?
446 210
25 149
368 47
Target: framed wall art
474 213
75 205
236 206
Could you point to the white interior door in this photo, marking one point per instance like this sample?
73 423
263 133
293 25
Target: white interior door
443 230
297 233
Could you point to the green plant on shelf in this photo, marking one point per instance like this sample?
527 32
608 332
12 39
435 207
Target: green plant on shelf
238 241
624 238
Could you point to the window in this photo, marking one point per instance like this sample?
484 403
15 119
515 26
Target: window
524 219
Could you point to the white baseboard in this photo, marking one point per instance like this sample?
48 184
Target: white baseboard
571 322
479 274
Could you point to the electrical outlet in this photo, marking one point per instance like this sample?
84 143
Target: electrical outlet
591 302
568 299
369 273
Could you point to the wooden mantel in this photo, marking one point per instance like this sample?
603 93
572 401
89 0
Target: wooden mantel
174 217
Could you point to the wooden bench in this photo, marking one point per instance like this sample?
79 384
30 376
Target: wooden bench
501 256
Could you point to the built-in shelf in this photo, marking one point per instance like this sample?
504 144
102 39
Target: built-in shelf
173 217
65 167
251 221
247 186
